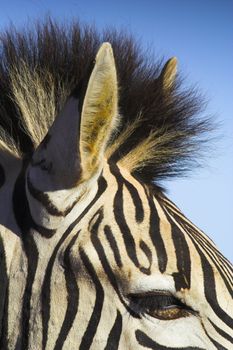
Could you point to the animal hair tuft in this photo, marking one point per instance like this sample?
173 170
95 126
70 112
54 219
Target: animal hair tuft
162 129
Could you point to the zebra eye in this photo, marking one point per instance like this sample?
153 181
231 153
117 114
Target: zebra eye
159 305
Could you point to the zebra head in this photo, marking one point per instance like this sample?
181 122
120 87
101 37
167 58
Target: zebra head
103 260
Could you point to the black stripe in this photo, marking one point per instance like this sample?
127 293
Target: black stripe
209 282
25 223
32 262
44 199
183 276
121 222
209 252
106 266
209 286
2 176
146 250
222 264
3 279
148 343
210 290
102 185
155 234
113 244
221 332
209 279
139 211
96 313
3 298
22 210
216 344
43 231
120 217
4 325
201 240
72 298
115 334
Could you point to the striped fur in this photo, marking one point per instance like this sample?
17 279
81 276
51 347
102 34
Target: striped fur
128 239
91 256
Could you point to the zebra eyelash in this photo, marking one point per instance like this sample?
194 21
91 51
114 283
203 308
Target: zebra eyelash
144 303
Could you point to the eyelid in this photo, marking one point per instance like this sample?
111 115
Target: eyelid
160 283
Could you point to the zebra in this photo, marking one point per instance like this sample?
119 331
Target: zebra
93 255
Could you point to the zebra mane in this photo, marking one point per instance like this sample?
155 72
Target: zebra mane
159 135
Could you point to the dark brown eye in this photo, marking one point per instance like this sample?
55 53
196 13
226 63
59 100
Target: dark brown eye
159 305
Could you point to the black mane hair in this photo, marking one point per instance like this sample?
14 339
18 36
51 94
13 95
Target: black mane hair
67 52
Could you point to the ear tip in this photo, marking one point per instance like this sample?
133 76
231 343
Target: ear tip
104 50
173 61
106 45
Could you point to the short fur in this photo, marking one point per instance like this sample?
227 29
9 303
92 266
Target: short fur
160 133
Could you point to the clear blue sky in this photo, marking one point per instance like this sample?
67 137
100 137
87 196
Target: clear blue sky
200 34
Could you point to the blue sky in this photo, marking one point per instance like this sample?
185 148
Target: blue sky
199 33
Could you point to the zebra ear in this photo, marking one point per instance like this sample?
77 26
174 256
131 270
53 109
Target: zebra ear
99 112
168 74
73 150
